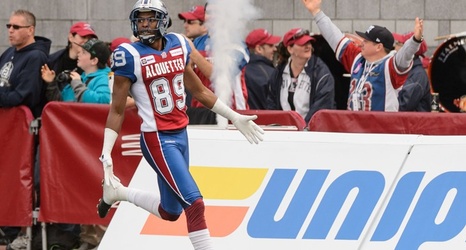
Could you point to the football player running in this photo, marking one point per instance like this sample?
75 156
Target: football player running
156 70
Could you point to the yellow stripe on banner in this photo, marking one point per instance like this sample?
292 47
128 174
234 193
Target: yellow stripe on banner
228 183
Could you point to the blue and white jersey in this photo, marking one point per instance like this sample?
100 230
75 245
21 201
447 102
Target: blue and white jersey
373 86
157 81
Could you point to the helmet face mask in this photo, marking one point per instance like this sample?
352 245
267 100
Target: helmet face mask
159 15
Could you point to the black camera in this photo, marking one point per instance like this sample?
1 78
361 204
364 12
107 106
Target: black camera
64 77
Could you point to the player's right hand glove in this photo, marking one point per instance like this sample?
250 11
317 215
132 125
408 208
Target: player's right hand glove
109 177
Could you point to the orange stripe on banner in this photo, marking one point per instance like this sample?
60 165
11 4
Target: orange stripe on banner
221 221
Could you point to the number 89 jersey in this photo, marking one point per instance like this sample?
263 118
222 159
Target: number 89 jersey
157 81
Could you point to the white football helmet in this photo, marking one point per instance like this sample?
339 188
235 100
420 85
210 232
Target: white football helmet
160 14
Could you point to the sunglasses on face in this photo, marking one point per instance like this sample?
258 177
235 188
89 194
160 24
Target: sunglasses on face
16 27
190 22
300 34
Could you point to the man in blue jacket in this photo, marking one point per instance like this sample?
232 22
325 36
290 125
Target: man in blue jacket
20 81
262 46
20 77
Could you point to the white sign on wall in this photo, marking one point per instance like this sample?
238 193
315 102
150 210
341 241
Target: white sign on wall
306 190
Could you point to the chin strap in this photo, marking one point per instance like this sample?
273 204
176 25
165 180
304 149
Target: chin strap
147 39
150 39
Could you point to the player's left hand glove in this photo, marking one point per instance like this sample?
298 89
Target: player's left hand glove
244 123
109 177
250 130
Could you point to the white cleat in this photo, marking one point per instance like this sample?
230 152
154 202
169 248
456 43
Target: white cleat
111 194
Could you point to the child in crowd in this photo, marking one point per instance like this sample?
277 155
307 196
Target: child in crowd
92 85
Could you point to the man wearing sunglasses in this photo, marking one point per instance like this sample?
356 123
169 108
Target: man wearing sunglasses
194 27
377 72
204 66
194 22
20 81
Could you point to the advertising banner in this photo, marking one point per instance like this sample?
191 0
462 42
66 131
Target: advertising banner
422 123
313 191
16 165
71 173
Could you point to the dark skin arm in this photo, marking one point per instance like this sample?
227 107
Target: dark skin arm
192 82
197 89
116 115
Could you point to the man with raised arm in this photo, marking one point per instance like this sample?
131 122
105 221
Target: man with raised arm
377 72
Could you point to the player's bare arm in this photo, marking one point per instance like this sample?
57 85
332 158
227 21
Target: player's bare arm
112 128
244 123
117 108
194 85
312 6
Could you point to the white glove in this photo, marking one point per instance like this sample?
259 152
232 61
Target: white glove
250 130
109 177
244 123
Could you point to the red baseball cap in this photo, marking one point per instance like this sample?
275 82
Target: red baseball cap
196 13
83 29
402 38
260 37
297 36
117 41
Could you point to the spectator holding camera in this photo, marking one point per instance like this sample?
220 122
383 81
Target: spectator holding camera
64 61
92 85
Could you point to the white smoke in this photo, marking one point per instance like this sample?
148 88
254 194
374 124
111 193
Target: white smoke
227 23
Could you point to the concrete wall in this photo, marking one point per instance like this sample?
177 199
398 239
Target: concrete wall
110 17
